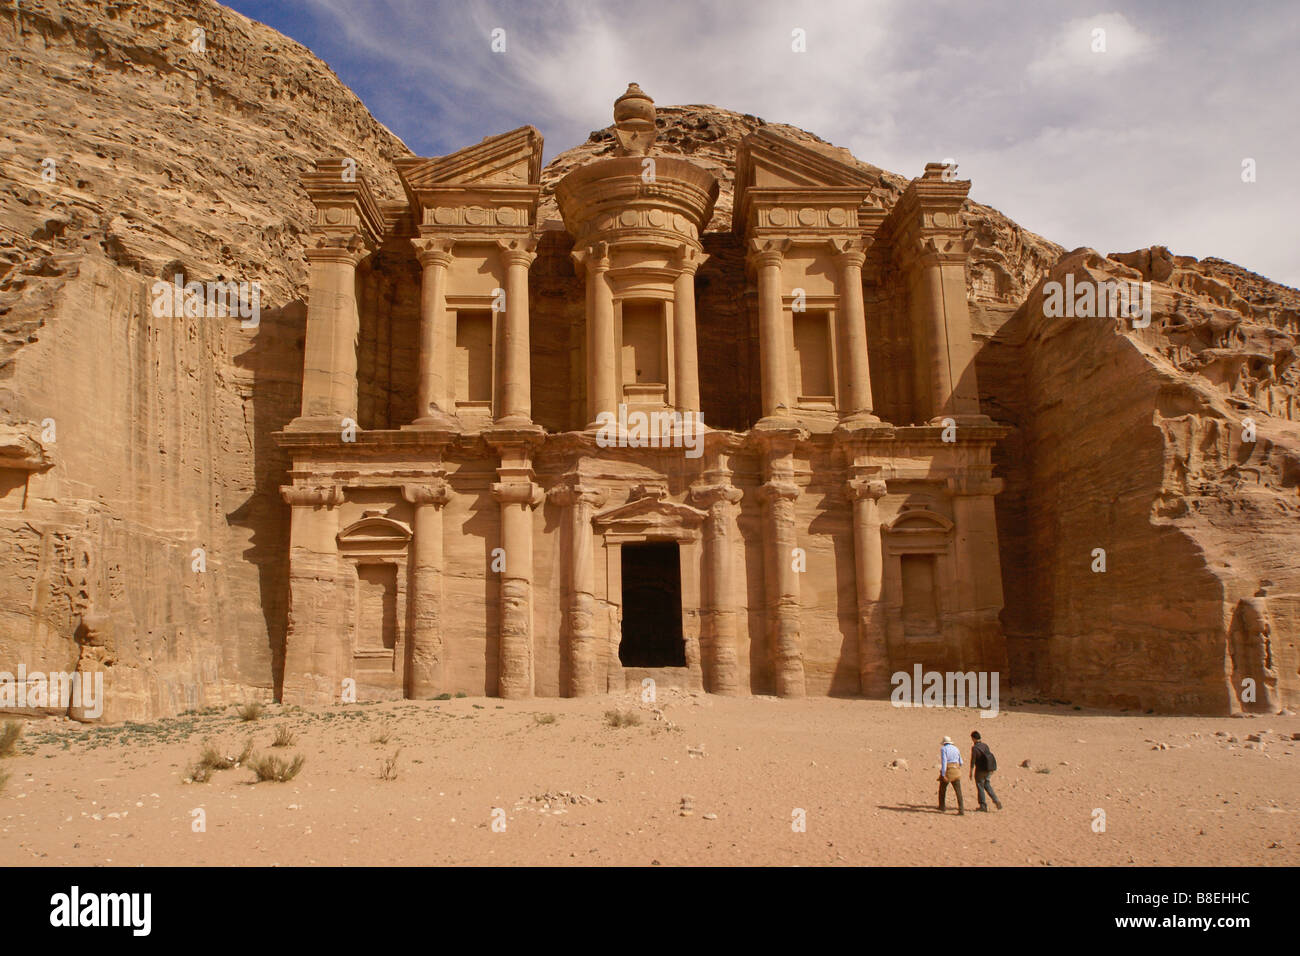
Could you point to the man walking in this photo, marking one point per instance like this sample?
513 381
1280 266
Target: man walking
982 765
950 773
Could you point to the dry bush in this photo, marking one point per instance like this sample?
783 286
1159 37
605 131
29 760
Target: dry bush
622 718
283 736
382 737
4 779
250 711
210 761
388 771
544 718
274 769
9 737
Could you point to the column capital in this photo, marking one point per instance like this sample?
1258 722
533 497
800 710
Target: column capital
592 258
776 489
705 496
849 252
574 493
436 492
766 252
299 496
526 493
863 487
688 258
518 250
433 250
348 248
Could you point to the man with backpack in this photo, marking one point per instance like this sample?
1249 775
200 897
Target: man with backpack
982 765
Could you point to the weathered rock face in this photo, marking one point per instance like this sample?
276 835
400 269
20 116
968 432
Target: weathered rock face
128 440
1138 441
131 440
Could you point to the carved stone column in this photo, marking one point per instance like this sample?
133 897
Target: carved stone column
314 665
514 391
602 378
518 495
580 599
426 674
721 666
685 353
329 375
853 324
778 497
978 596
766 256
435 402
873 652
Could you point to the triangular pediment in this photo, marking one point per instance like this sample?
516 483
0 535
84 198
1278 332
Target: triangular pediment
507 159
650 511
768 160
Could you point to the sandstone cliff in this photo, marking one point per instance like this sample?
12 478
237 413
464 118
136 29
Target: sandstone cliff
132 440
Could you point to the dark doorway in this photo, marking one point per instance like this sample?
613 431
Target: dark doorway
652 606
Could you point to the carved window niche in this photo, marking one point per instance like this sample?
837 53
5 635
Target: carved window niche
919 581
375 550
474 355
644 351
813 367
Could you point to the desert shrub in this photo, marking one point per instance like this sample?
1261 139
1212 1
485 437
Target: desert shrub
250 711
382 737
544 718
622 718
283 736
388 770
4 779
211 760
274 769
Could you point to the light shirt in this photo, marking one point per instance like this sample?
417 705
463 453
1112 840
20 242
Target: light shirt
948 753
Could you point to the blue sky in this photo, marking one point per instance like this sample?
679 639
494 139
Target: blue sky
1136 145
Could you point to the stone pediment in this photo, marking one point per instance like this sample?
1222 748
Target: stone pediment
507 159
650 515
375 531
767 160
793 187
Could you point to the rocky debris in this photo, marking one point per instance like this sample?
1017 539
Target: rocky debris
696 751
898 763
1025 763
687 807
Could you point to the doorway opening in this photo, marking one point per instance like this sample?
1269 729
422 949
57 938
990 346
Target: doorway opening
652 606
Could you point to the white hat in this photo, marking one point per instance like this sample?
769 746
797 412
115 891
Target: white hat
947 740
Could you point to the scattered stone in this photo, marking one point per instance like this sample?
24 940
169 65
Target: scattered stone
1025 763
898 763
688 805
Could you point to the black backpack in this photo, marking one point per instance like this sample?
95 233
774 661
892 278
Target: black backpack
990 764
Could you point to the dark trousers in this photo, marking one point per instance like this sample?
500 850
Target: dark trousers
983 786
943 790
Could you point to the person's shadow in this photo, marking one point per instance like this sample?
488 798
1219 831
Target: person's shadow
912 808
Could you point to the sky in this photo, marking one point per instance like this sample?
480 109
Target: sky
1115 125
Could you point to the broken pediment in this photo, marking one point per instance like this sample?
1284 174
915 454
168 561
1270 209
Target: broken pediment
507 159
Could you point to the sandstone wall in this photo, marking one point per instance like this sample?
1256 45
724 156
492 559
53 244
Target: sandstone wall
165 161
1130 440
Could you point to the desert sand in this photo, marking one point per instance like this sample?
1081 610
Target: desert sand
577 791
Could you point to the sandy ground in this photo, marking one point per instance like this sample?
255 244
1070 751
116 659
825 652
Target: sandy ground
569 788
